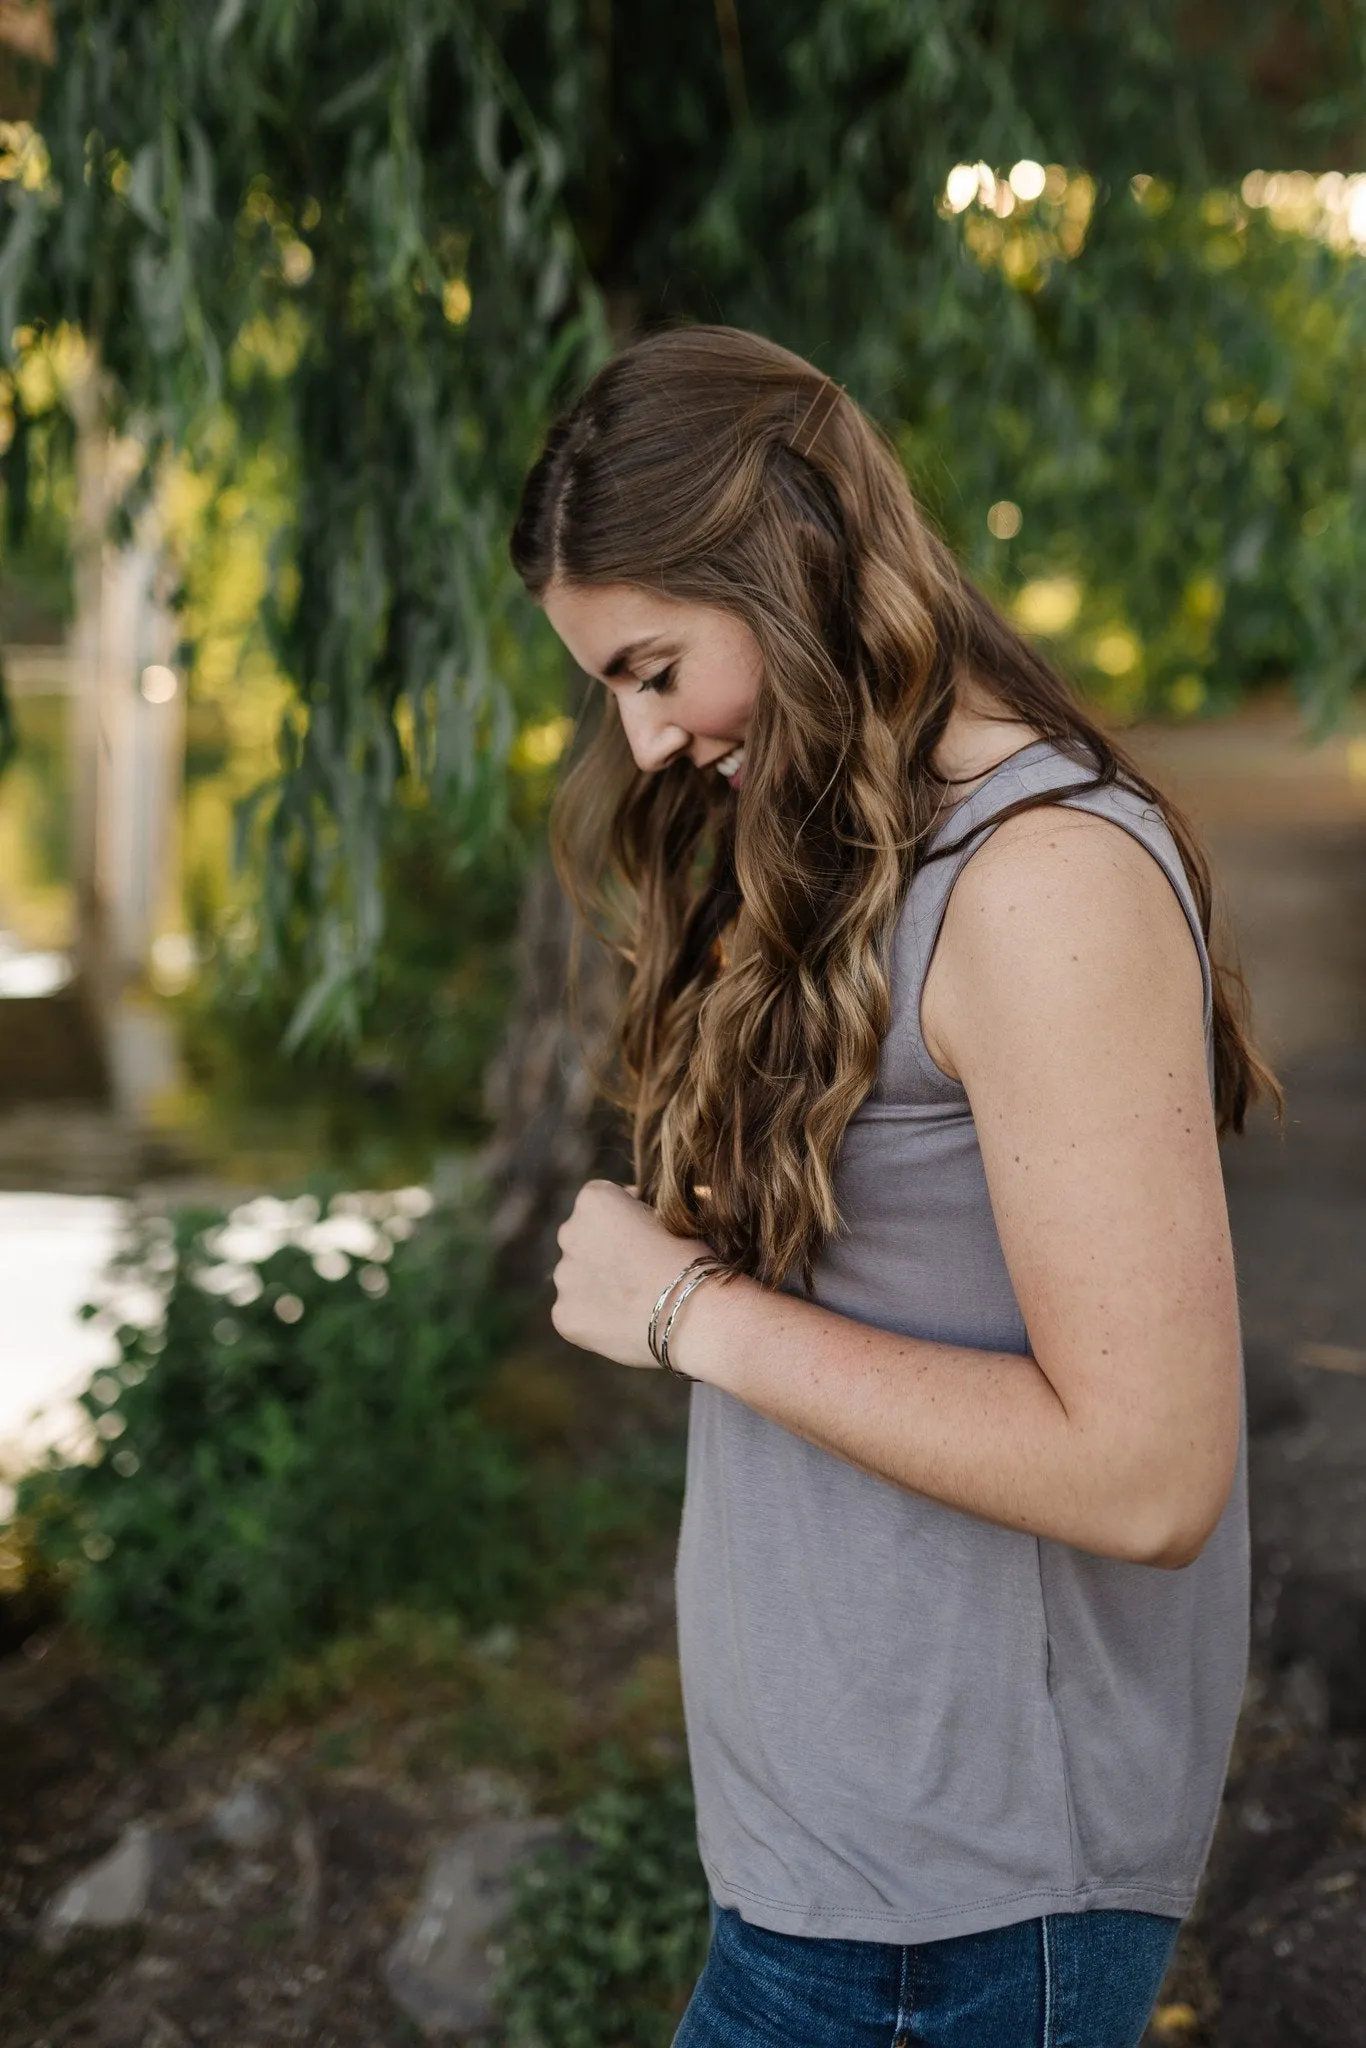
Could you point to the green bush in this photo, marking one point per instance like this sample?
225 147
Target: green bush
291 1439
609 1927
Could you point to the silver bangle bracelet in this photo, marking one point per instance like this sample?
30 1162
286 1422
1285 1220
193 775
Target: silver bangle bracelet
709 1269
652 1334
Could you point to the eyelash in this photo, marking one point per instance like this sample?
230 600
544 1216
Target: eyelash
661 682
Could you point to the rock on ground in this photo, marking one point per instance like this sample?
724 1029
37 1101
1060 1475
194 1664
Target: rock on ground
111 1893
247 1818
441 1969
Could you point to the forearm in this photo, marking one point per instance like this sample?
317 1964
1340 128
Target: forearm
983 1431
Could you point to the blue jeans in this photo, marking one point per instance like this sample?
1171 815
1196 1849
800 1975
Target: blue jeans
1071 1980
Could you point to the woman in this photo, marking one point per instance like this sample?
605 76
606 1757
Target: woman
925 1057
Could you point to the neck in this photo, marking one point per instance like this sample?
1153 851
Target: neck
980 734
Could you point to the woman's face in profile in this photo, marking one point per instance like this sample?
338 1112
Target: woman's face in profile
685 677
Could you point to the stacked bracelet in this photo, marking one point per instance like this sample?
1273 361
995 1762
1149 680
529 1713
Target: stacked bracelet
692 1276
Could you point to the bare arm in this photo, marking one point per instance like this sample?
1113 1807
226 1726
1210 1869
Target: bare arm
1065 993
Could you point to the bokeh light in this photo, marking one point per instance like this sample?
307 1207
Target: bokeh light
159 683
1116 652
1028 179
1049 604
1331 207
960 187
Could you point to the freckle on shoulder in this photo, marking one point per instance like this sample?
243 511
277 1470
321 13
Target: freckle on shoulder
1051 842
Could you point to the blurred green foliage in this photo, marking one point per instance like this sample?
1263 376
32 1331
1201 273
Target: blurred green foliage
609 1929
342 227
379 1103
294 1437
39 500
383 236
1201 474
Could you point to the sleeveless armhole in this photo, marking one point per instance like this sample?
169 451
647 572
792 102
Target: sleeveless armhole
910 1071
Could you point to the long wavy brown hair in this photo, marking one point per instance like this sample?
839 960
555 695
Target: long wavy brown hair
755 926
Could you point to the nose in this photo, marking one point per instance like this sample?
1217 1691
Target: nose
653 738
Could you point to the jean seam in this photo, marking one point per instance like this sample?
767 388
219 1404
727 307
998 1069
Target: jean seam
1045 1929
903 2009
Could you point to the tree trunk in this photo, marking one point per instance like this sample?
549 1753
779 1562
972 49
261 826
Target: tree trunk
553 1130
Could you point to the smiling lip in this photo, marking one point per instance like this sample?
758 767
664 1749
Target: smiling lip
731 765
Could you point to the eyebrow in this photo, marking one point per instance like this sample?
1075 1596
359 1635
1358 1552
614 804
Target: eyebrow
626 657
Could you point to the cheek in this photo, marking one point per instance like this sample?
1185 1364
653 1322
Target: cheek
730 701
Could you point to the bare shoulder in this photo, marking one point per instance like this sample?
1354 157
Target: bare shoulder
1062 914
1053 864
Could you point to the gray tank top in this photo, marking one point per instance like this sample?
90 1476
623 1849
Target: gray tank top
905 1723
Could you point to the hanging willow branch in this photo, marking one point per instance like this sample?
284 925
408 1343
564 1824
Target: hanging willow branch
357 226
343 223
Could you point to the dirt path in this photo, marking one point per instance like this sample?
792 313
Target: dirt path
1283 1930
1277 1956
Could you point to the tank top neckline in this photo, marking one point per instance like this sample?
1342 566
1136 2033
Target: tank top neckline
964 803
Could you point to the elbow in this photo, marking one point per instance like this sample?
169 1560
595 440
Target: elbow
1164 1475
1177 1549
1169 1533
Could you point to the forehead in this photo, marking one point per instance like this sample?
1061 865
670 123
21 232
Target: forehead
596 622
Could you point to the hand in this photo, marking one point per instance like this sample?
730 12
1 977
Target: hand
616 1259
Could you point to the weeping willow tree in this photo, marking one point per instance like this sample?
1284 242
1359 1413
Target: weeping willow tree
388 236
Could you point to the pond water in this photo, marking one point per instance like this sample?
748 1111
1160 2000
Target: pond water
52 1251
